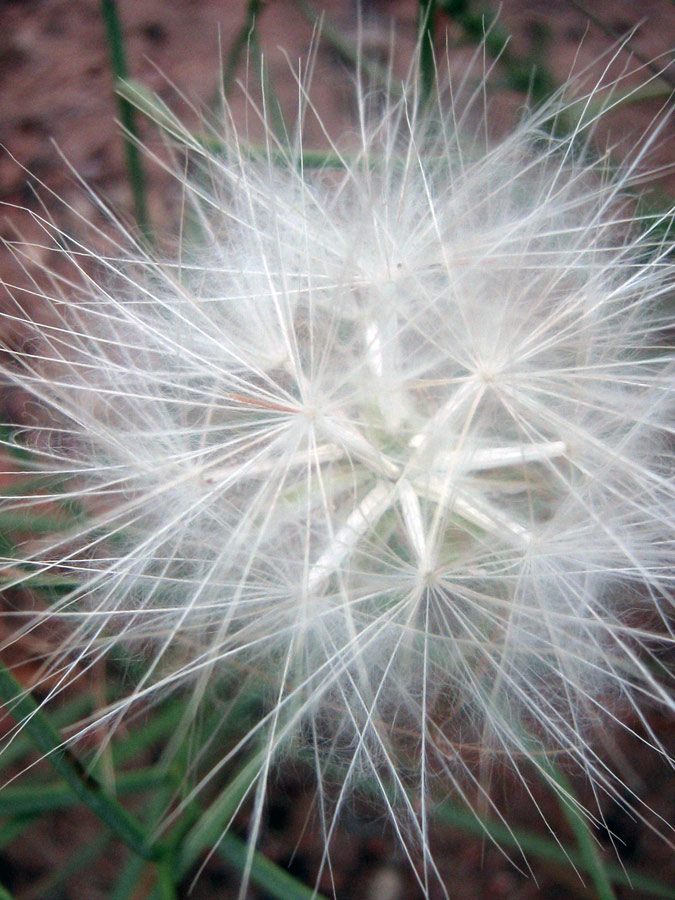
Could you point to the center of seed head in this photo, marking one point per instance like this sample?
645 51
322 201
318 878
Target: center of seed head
429 578
486 374
310 413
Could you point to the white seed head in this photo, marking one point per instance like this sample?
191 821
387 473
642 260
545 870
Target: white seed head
392 439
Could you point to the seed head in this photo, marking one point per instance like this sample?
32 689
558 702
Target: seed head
389 440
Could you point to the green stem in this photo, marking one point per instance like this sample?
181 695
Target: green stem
127 884
43 798
244 35
165 879
268 876
48 741
150 105
64 717
215 820
586 843
427 66
462 819
127 114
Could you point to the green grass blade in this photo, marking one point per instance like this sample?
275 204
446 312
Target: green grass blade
66 715
267 875
242 38
48 741
13 829
544 849
127 884
154 108
162 724
130 876
126 114
166 886
209 832
586 842
7 441
33 523
43 798
213 822
22 576
427 64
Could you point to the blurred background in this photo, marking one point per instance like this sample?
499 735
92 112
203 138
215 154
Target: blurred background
59 127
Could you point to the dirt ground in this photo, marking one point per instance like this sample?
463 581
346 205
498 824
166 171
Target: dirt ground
58 127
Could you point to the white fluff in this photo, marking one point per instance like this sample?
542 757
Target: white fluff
392 440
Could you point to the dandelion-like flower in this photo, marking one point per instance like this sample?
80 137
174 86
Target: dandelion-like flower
390 438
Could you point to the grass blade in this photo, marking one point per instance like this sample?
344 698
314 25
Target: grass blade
48 741
213 822
43 798
242 38
586 843
427 63
545 849
126 114
63 717
265 874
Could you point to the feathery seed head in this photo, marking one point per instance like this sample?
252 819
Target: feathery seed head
391 438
